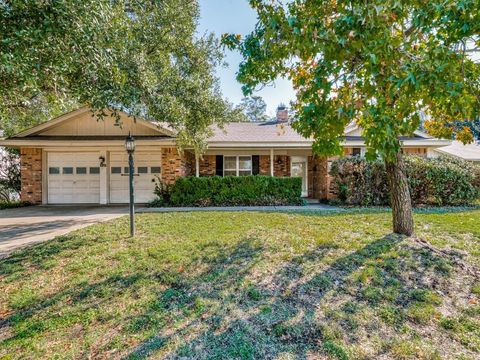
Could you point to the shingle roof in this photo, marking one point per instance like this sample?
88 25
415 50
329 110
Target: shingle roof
467 152
256 132
252 132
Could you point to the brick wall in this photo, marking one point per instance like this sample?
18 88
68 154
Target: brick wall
415 151
317 177
174 165
281 165
31 175
207 165
264 164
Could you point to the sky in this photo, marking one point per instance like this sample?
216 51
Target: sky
236 16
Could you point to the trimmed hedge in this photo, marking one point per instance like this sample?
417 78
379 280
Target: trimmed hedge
442 181
230 191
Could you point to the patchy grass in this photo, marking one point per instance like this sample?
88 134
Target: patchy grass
248 286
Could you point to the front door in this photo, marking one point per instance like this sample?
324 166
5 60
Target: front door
299 169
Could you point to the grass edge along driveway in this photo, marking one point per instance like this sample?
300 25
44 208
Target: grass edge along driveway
247 286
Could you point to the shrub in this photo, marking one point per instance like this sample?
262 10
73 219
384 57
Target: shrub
9 175
230 191
13 204
440 181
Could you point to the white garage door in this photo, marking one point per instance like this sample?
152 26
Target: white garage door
147 169
73 178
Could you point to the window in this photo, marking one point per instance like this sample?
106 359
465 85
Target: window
54 170
244 165
81 170
237 165
356 152
67 170
95 170
126 170
229 165
155 169
143 170
116 170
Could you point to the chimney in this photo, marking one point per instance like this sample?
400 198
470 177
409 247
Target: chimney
282 114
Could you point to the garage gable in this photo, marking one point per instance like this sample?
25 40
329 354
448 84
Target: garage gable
81 122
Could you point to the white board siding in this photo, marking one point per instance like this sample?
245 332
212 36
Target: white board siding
77 187
144 183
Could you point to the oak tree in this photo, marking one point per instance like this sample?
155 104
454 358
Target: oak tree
380 63
143 57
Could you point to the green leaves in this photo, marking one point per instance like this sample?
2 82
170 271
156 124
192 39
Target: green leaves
141 57
376 63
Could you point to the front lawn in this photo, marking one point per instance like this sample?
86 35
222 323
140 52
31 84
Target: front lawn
248 286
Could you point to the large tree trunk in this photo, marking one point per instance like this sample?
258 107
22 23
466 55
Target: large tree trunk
400 196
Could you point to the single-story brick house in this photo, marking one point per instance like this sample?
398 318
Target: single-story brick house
76 159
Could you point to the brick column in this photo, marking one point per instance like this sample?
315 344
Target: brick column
264 164
174 165
281 166
208 165
31 175
317 177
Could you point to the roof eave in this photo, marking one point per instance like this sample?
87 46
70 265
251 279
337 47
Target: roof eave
308 144
18 143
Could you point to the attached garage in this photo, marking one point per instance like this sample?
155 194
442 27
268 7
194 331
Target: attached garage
76 178
147 170
80 159
73 178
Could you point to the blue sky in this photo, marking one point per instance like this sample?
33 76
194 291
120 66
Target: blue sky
236 16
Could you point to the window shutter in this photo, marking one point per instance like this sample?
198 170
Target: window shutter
255 164
219 165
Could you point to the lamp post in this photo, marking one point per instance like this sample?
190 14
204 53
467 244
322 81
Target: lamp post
130 147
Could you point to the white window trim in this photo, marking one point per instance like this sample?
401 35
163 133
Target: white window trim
237 164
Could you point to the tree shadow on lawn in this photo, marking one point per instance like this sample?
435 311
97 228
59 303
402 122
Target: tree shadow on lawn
38 255
218 312
279 316
66 308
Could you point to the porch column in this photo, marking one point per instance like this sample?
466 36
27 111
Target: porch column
197 166
271 162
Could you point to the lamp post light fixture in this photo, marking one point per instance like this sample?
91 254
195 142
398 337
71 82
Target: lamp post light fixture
130 147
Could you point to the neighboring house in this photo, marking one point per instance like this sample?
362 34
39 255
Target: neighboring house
77 159
470 152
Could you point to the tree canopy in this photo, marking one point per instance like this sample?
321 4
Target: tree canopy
382 64
143 57
254 108
379 63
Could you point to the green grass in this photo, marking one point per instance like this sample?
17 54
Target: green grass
245 285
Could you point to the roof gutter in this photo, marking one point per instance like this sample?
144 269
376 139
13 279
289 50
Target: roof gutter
308 144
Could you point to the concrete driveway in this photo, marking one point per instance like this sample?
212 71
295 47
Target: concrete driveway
26 226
